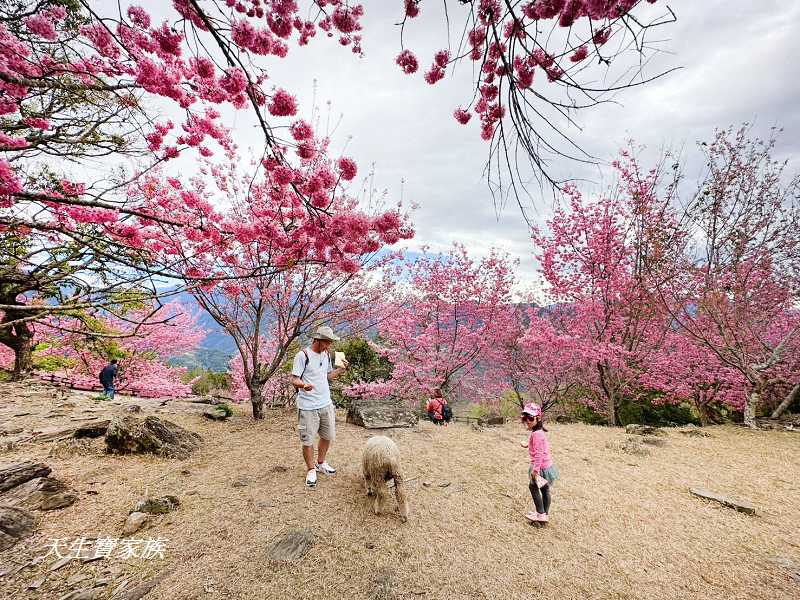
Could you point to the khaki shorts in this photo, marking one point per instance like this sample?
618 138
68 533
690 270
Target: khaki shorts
320 421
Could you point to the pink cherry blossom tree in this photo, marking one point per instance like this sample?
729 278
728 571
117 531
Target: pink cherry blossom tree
78 129
540 364
600 258
738 293
441 328
686 371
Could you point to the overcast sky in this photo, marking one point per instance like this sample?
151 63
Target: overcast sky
738 62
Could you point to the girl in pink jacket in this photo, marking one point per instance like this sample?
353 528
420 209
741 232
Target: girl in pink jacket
542 472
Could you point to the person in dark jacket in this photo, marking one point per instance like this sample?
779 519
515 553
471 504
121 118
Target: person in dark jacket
107 376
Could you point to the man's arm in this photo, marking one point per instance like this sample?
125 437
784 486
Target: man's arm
300 384
298 366
336 372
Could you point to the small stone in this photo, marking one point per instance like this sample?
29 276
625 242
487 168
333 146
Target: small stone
134 522
102 582
370 546
654 441
444 484
241 482
77 579
133 408
264 504
279 469
215 414
426 484
59 563
634 429
86 594
742 506
36 583
41 493
191 493
693 431
151 435
157 506
629 446
185 472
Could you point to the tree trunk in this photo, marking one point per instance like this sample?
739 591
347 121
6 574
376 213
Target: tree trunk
610 398
750 409
23 358
702 411
18 337
790 397
612 411
257 400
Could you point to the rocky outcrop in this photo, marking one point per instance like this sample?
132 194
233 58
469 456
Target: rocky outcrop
380 414
151 435
15 523
16 474
41 493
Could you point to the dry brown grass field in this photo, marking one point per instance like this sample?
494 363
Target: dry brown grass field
622 526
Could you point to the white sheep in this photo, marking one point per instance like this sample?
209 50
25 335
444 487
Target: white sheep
381 462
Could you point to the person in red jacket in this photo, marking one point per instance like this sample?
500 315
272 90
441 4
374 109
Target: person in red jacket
438 410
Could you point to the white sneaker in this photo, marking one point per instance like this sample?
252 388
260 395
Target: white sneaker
311 478
325 468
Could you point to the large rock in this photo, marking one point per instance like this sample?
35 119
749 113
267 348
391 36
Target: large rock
13 475
380 414
15 524
90 429
151 435
42 493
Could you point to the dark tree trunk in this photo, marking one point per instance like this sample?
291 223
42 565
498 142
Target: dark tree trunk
257 400
18 337
702 411
610 396
790 397
23 359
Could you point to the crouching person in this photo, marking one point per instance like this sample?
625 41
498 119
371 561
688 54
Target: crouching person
311 371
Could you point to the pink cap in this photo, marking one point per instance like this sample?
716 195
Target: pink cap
532 410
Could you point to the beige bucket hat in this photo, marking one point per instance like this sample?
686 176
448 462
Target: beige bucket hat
325 333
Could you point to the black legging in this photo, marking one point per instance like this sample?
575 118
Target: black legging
541 497
432 417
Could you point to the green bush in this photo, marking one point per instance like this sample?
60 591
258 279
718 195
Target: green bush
207 380
646 412
365 366
584 414
224 407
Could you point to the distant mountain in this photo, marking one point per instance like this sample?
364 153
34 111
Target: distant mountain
216 349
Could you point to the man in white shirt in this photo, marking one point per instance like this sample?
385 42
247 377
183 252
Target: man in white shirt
311 371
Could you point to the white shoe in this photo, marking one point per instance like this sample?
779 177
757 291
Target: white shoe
311 478
325 468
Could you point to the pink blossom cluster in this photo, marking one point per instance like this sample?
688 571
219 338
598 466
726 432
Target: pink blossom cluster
495 25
